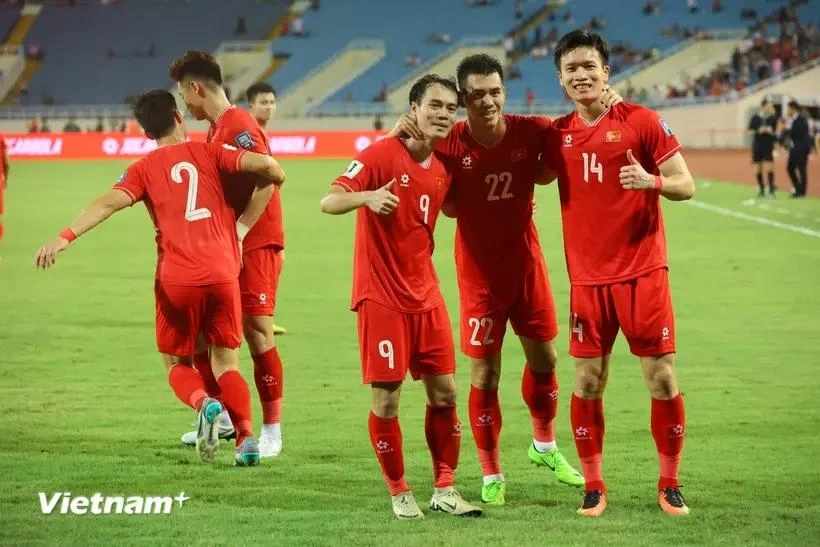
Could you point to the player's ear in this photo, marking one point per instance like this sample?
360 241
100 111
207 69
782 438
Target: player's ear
606 73
178 117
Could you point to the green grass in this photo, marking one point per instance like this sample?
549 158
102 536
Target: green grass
87 407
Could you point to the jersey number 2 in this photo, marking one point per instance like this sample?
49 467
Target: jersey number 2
191 211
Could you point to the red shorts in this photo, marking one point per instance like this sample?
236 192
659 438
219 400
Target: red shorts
392 342
641 308
185 311
258 281
484 317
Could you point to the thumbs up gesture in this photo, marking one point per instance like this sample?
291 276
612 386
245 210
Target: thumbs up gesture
383 201
634 176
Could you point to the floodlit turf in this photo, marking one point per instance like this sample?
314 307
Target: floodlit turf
87 407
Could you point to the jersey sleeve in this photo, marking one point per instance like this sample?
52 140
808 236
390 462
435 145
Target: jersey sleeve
133 183
242 131
226 157
657 138
362 173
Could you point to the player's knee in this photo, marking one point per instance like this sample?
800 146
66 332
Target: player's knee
385 401
545 360
661 381
589 383
486 373
260 339
443 397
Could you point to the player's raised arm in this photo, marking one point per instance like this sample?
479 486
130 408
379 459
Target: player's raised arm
97 212
339 201
675 182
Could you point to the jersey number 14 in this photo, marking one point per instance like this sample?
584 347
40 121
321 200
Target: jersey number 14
592 167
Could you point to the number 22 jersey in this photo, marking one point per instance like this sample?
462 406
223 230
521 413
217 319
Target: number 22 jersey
610 234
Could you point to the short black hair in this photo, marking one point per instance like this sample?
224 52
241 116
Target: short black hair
581 38
257 89
765 101
154 111
794 104
422 84
481 64
198 65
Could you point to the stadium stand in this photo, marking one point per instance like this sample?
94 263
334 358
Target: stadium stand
132 46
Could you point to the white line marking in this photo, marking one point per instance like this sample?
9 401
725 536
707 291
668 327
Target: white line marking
800 215
783 211
764 206
760 220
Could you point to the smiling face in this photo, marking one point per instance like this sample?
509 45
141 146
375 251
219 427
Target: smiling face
436 111
583 74
484 98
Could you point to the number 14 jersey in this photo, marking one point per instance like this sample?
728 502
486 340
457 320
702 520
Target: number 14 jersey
610 234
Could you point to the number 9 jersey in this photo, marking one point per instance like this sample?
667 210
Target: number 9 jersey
610 234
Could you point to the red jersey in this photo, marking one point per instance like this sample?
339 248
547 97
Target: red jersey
237 127
196 228
493 190
610 234
393 257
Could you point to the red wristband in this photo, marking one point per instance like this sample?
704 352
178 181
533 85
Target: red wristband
68 234
658 182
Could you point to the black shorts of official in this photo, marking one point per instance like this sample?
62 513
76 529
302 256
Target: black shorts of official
762 153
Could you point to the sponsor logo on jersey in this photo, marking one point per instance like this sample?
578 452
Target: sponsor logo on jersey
353 169
666 129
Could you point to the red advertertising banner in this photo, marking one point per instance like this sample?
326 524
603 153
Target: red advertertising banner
94 146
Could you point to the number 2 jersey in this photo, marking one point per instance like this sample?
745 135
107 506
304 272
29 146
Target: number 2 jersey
493 189
195 227
610 234
393 256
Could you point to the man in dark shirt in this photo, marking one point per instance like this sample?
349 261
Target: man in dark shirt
801 145
762 127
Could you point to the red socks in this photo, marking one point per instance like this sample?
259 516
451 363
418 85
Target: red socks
237 399
202 363
385 436
668 426
540 392
267 372
485 421
187 385
443 432
587 416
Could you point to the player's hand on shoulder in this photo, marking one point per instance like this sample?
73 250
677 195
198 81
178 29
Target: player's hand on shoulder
383 201
634 176
47 254
610 97
406 126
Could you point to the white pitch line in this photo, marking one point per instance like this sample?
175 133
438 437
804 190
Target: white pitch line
752 218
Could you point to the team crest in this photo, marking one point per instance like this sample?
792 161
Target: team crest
666 129
613 136
439 183
519 154
245 140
